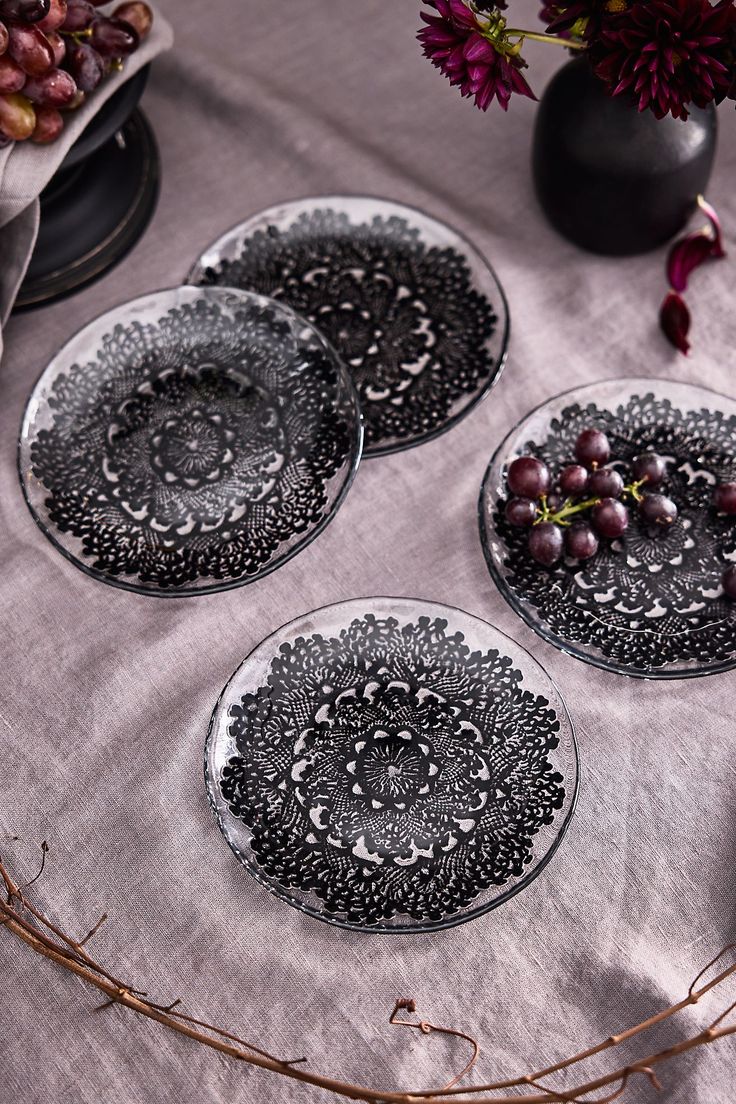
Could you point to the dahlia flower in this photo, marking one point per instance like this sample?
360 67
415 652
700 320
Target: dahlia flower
473 53
667 54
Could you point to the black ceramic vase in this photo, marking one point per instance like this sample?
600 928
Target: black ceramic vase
610 178
99 202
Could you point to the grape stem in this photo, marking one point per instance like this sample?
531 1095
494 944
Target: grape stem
78 36
569 508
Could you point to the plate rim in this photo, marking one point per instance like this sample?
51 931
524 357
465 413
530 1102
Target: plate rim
569 648
501 361
219 586
415 927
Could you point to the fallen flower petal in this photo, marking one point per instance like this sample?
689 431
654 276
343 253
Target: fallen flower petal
674 318
688 254
715 225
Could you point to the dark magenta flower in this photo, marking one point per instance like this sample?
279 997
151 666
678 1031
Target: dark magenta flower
674 318
476 58
583 18
667 54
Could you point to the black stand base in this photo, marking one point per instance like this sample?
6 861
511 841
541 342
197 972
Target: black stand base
92 213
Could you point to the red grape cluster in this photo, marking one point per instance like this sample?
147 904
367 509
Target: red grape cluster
53 53
724 500
587 502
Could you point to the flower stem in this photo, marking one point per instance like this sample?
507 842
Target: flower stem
553 40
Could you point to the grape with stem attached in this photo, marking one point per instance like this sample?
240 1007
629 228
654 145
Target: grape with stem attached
528 477
521 512
649 468
574 480
546 543
610 518
605 483
729 582
581 543
724 498
657 509
592 449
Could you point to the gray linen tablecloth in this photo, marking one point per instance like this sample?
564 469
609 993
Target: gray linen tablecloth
106 696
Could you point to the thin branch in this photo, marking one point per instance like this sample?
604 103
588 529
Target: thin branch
694 995
38 931
427 1028
94 930
44 853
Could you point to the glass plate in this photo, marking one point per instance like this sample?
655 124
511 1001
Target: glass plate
391 765
189 441
647 605
414 310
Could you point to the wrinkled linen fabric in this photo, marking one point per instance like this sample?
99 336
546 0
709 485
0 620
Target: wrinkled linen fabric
106 696
26 169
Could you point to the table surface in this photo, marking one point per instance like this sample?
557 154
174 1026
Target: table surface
106 695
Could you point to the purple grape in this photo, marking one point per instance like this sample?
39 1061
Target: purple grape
138 14
554 502
724 498
80 15
605 483
592 449
574 480
24 11
113 38
729 582
649 467
657 509
610 518
12 77
546 543
528 477
580 541
57 43
49 125
30 48
86 66
54 89
521 512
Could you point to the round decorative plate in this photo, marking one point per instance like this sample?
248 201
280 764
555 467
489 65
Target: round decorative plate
648 604
391 765
414 310
189 441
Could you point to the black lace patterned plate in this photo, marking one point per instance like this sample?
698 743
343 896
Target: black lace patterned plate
391 765
413 309
646 605
189 441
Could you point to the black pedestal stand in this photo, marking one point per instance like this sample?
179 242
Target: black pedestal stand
98 204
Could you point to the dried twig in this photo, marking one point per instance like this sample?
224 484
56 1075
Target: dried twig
409 1005
23 919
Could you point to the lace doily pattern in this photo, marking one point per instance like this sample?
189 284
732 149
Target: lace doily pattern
652 600
408 318
391 770
196 448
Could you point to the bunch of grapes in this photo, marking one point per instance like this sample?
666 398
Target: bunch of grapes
53 53
589 501
724 500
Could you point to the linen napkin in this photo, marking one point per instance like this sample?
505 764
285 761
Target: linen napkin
26 169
